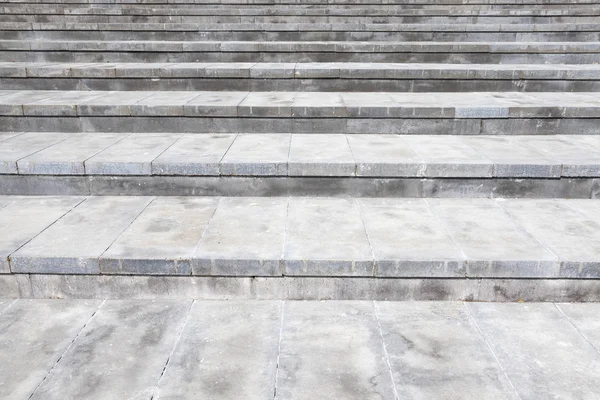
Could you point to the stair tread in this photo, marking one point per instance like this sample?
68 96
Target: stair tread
302 236
319 155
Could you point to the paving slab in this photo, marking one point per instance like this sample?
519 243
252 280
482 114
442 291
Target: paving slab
435 350
68 156
332 350
569 234
35 334
193 155
257 154
163 103
585 319
385 155
534 343
130 156
15 148
493 243
326 236
61 104
267 104
74 243
111 104
513 159
162 239
25 217
94 367
226 348
449 157
408 240
320 155
215 103
244 237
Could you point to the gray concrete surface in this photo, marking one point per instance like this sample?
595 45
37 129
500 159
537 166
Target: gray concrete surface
167 349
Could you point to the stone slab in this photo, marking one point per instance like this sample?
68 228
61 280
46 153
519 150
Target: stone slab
25 217
257 154
75 242
244 237
534 343
21 146
193 155
162 239
408 241
67 157
35 334
332 350
226 348
384 155
571 235
94 367
493 243
320 155
326 237
130 156
585 319
435 350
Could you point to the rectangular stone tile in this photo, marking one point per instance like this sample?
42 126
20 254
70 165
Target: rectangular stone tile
25 217
74 243
67 157
132 155
244 238
111 104
542 354
320 155
515 160
332 350
120 353
11 102
569 234
436 352
369 105
494 244
257 154
35 333
163 104
408 241
578 158
385 155
193 155
15 148
61 104
267 104
227 348
318 105
449 157
162 239
211 104
326 237
585 318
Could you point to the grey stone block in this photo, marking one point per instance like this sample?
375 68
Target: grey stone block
257 155
20 146
320 155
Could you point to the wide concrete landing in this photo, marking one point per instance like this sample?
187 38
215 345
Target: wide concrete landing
185 349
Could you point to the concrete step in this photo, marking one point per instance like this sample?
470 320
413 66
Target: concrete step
244 3
302 237
507 113
410 18
302 32
300 164
324 77
310 51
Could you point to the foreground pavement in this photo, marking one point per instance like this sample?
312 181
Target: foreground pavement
183 349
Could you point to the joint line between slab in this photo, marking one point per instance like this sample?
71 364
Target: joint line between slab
385 352
100 151
156 393
279 348
490 349
576 328
67 349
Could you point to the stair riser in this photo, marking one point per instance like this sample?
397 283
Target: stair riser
306 85
221 288
437 57
575 188
413 19
423 126
305 36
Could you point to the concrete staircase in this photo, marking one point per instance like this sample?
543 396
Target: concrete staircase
385 150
